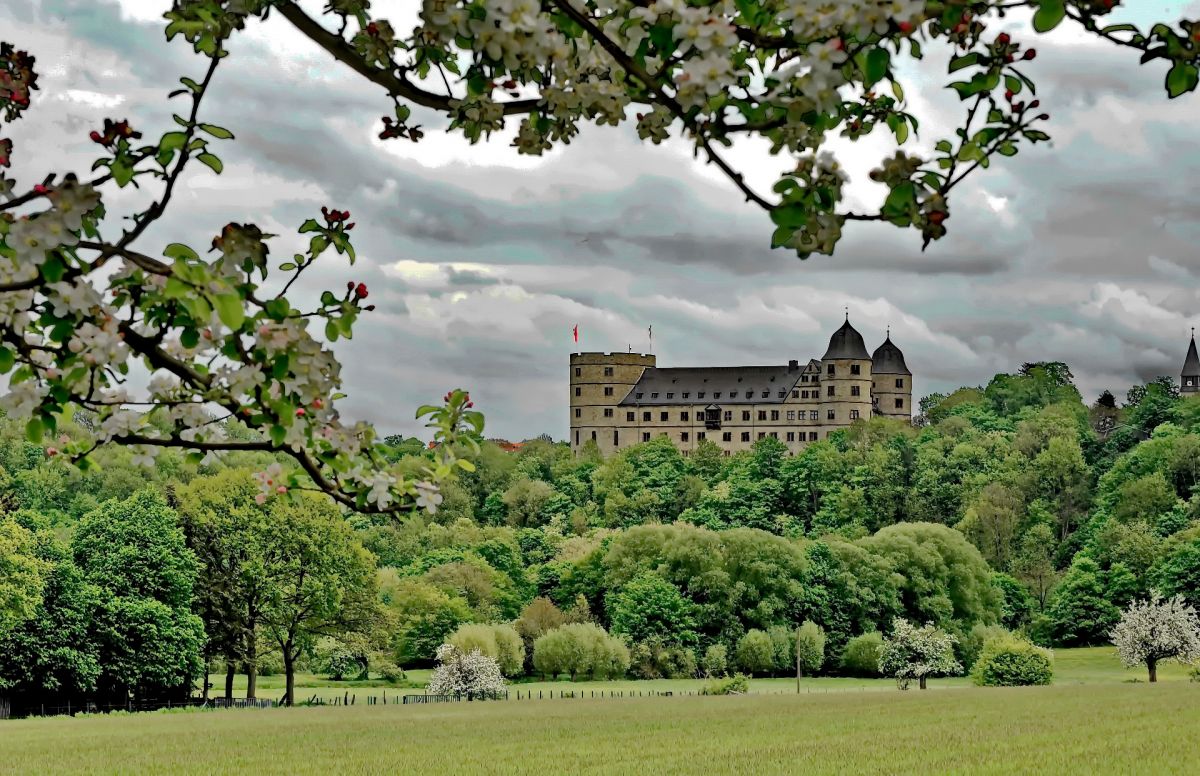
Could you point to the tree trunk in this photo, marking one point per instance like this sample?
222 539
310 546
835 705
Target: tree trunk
1152 665
289 671
204 677
230 671
922 685
251 665
799 671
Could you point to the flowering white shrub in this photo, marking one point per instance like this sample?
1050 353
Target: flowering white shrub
917 653
1157 630
460 673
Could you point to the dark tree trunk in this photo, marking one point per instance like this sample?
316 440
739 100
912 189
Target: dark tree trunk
204 677
230 671
1152 666
289 671
251 664
922 685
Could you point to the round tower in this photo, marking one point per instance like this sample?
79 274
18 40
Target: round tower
845 379
891 381
598 384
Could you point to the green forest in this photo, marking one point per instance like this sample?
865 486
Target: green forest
1016 505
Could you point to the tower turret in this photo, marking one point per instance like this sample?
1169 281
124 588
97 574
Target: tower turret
846 382
1189 379
891 381
599 381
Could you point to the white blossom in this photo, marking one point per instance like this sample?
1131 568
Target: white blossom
1157 630
459 673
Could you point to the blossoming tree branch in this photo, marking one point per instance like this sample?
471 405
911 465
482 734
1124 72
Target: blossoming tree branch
86 304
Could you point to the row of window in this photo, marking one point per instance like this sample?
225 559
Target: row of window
792 415
727 436
830 390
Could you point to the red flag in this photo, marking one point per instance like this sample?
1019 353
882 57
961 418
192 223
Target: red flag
575 332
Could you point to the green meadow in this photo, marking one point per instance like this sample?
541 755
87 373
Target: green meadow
1097 717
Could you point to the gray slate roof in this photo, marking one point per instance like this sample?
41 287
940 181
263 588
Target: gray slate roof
846 342
888 360
713 385
1191 364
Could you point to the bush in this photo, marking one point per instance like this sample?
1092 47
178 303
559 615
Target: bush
970 646
654 659
715 661
737 684
756 653
861 656
783 639
810 647
499 642
580 648
1008 661
390 672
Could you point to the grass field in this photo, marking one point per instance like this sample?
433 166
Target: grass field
1080 729
1071 666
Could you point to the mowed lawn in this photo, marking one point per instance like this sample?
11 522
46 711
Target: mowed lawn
1068 729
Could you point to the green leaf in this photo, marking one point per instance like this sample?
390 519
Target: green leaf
172 141
781 236
179 251
465 465
287 266
189 338
122 171
876 66
7 359
310 225
966 60
898 91
217 132
1012 84
944 146
1181 79
278 309
1049 14
34 430
212 162
331 331
792 215
230 309
53 269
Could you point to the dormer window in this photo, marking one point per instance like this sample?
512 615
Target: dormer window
654 395
732 395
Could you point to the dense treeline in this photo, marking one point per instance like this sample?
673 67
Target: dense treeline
1007 507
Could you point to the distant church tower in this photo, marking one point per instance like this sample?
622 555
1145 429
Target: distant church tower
1189 379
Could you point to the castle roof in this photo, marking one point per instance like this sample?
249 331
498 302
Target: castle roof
713 385
1191 364
846 342
888 360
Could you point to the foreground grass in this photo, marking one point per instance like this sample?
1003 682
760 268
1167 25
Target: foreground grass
1094 665
1115 728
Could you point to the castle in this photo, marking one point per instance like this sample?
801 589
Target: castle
621 399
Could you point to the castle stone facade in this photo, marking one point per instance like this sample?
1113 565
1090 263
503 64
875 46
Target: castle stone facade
622 399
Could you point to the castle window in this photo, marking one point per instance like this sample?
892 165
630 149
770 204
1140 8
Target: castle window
654 395
899 404
578 391
576 437
593 436
899 382
578 371
766 394
645 436
639 395
683 416
615 438
804 378
663 416
608 371
791 437
745 436
727 436
830 415
854 390
608 391
670 396
795 394
812 436
578 412
805 395
829 390
630 416
812 415
608 412
855 369
829 370
701 436
700 394
783 394
774 435
716 394
745 415
853 414
762 414
683 436
774 414
686 394
791 415
733 394
761 434
728 414
645 417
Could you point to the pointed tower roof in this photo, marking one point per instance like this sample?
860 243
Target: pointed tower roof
1191 364
846 342
888 359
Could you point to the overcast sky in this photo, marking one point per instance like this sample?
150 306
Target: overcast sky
481 261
